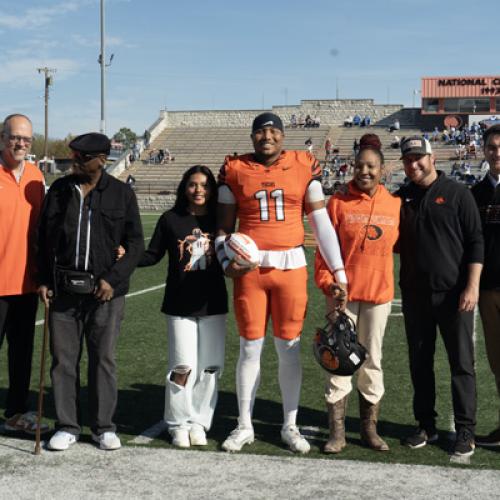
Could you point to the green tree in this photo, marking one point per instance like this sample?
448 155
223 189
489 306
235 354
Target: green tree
126 137
57 148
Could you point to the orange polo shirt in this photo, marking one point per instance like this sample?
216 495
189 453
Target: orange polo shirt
367 229
20 206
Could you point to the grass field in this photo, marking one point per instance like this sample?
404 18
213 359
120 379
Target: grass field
142 358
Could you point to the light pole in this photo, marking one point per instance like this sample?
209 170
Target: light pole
102 62
48 82
415 92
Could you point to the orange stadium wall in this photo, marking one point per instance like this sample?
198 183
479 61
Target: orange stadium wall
461 96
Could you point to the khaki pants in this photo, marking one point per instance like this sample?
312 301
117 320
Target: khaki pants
489 308
370 320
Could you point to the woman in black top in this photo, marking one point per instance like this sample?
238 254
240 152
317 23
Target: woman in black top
195 303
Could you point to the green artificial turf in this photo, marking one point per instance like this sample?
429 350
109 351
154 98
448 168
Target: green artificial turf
142 358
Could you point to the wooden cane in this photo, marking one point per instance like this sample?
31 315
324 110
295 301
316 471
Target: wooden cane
42 380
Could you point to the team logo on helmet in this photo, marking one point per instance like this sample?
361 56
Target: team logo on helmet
336 347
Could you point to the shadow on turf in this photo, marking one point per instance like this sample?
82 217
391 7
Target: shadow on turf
268 418
141 406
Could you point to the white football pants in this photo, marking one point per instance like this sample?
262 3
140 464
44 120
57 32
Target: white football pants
195 346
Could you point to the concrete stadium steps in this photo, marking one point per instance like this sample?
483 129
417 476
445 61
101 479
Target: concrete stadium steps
192 146
347 135
343 139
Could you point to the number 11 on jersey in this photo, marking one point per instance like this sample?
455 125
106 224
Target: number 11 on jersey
277 197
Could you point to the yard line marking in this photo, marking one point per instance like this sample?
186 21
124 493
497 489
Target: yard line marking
149 434
145 290
132 294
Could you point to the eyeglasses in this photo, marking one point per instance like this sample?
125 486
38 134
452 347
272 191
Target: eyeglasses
19 138
85 157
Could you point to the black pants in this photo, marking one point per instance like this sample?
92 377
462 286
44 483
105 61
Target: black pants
73 318
423 313
17 323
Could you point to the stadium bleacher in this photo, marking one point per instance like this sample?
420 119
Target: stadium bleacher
192 146
209 146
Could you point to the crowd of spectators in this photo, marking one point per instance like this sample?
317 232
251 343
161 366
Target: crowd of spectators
304 122
357 121
160 156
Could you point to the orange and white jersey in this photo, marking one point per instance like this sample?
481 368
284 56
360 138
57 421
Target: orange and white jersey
270 200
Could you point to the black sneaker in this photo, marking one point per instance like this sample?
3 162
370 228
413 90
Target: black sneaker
420 438
464 443
492 439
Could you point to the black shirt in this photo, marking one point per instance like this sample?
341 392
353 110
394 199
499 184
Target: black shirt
73 247
440 234
488 200
195 282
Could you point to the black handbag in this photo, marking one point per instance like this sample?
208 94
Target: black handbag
74 282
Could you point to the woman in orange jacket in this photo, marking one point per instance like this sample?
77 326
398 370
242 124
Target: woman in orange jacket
366 219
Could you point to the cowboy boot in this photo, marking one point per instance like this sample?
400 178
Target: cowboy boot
369 417
336 423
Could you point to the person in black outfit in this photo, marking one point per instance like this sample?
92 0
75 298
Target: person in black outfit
195 303
86 216
441 248
487 195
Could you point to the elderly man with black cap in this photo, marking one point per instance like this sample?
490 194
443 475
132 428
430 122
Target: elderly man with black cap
441 247
268 191
86 216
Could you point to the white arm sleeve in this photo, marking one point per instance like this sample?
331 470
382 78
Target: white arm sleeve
225 195
314 192
325 234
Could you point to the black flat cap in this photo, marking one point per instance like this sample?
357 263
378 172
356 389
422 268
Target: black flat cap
91 143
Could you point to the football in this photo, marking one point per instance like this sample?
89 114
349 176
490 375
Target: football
242 249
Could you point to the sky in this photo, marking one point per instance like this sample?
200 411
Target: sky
222 54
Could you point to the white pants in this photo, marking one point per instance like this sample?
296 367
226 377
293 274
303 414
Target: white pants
370 320
195 346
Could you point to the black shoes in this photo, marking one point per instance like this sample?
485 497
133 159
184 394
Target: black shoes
490 440
421 437
464 443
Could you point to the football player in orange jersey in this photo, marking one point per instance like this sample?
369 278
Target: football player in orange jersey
268 191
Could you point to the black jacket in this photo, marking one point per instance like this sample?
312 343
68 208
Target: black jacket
440 234
115 221
488 200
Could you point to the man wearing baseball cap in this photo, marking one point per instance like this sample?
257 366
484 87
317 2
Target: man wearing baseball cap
441 248
85 218
268 191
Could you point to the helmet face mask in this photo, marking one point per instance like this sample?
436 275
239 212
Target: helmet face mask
336 347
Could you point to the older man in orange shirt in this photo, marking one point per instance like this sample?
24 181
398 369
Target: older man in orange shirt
21 196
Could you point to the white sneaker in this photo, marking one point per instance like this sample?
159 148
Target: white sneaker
62 440
291 436
197 435
180 438
107 440
238 438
